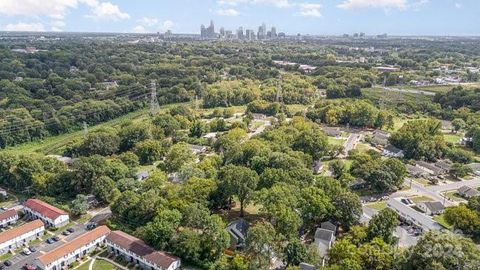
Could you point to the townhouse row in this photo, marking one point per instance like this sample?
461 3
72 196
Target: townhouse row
131 249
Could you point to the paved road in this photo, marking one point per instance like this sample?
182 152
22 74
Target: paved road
260 129
350 143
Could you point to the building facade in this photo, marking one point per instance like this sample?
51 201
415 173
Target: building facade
8 217
49 214
21 235
134 250
64 255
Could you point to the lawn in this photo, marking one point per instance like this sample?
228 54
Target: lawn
419 199
452 138
335 141
84 266
103 265
441 220
454 196
377 205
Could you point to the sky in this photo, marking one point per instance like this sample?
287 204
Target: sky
314 17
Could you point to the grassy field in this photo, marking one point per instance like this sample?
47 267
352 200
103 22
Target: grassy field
441 220
377 205
99 264
454 196
452 138
335 141
55 144
419 199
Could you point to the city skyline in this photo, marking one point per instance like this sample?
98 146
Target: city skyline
314 17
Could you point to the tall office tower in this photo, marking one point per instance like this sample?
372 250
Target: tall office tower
222 32
240 33
203 31
211 30
269 34
262 32
274 32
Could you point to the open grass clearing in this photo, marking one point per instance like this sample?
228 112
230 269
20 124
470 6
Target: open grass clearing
377 205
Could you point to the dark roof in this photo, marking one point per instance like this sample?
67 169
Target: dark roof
323 234
464 189
307 266
430 166
328 226
414 170
141 249
332 131
444 164
44 208
434 206
393 149
238 229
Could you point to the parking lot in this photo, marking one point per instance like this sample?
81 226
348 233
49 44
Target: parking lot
20 260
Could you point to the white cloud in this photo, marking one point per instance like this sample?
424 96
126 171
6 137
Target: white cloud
167 25
27 27
310 10
458 5
140 29
108 11
385 4
148 21
230 12
56 9
277 3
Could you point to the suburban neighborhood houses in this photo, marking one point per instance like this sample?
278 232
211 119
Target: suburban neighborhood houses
20 236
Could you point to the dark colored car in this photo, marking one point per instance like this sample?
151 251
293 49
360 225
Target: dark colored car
50 241
66 233
70 230
56 238
32 249
7 263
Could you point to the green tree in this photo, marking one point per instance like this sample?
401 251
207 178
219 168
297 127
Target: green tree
313 142
261 245
148 151
161 230
459 170
383 225
294 253
178 155
239 181
105 190
79 205
458 124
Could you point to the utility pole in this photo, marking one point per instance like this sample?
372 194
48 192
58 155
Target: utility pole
196 103
154 106
85 129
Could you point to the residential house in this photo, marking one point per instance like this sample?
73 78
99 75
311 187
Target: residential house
110 84
20 236
259 116
142 175
327 225
410 215
332 132
468 192
49 214
430 168
324 240
134 250
431 208
238 233
63 256
198 149
415 171
445 165
475 168
91 200
8 217
380 138
307 266
392 151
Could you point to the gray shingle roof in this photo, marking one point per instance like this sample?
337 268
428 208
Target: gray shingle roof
434 206
238 229
323 234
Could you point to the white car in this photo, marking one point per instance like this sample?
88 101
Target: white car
27 251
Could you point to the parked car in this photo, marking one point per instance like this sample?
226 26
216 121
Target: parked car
66 233
70 230
32 249
7 263
56 238
26 251
50 241
29 267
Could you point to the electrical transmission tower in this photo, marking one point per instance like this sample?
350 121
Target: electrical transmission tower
279 97
154 106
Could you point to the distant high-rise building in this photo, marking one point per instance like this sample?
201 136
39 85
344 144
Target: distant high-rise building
362 35
208 32
240 33
274 32
222 32
262 31
355 35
